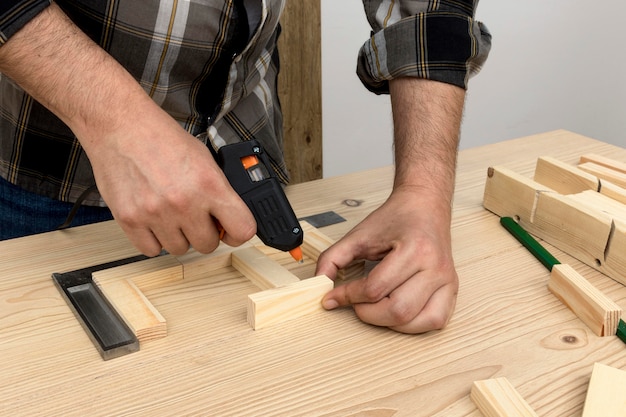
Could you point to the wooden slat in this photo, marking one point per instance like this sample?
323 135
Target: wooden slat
285 303
604 161
596 310
616 177
498 398
606 395
264 272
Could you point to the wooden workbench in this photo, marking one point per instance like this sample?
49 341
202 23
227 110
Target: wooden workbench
506 324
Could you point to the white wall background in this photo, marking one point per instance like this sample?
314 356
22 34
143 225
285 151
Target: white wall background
553 64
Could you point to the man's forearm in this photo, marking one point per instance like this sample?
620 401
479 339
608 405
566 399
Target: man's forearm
427 118
69 74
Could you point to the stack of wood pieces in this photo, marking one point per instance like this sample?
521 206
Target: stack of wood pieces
582 211
578 212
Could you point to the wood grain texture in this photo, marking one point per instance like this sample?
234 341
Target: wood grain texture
506 323
300 88
498 398
606 395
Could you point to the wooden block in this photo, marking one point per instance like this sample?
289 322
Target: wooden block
604 161
498 398
197 265
316 242
605 173
595 309
509 194
264 272
564 178
134 308
609 189
278 305
601 202
572 227
606 395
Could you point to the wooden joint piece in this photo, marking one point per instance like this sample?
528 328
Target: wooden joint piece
316 242
263 271
280 304
591 305
498 398
121 286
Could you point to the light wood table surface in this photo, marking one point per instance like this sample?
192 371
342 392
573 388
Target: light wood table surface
506 324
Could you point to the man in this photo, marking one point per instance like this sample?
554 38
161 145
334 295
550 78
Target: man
134 84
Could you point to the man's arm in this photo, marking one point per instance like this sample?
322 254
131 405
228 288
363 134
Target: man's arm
413 289
161 183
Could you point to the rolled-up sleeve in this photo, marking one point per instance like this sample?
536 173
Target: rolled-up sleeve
439 41
14 14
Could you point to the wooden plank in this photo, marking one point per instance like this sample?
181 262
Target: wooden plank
498 398
595 309
616 177
136 310
295 300
316 242
613 191
606 395
196 264
509 194
264 272
300 88
601 202
564 178
572 227
604 161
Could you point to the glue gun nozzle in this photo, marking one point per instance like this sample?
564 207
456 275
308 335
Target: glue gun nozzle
296 254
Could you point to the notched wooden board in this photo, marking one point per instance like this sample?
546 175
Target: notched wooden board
574 211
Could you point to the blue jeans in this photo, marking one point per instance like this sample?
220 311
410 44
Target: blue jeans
24 213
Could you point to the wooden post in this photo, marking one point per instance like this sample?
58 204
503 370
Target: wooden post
300 88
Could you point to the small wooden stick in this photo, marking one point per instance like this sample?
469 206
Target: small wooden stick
498 398
595 309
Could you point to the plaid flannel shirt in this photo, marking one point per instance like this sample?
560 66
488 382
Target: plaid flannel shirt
190 57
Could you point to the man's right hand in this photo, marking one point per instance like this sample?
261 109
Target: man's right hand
161 184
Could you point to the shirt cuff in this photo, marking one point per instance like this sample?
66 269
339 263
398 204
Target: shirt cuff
439 46
14 15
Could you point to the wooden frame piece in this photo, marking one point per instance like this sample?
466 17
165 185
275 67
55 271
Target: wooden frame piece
121 286
285 296
595 309
606 395
498 398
